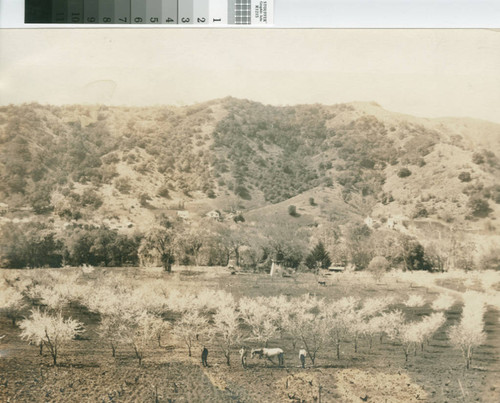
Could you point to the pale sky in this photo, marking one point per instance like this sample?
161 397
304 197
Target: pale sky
431 73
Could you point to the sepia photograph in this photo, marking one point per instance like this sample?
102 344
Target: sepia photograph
249 215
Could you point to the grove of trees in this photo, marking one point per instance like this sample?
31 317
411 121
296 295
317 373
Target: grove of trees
134 316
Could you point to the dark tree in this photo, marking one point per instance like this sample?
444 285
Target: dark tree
318 258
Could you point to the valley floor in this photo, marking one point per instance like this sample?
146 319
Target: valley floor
87 372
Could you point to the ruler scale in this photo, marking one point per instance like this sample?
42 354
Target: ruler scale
106 11
169 11
166 12
90 11
122 12
75 11
200 11
218 11
59 11
138 11
185 11
153 11
38 11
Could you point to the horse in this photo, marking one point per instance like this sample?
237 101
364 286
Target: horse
269 353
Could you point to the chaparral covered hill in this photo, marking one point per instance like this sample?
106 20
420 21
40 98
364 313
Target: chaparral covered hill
245 164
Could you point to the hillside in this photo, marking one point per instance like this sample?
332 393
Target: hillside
124 167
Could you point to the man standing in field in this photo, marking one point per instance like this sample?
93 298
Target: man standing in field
302 357
204 356
243 356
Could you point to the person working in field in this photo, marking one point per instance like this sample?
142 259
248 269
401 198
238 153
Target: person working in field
243 356
204 356
302 357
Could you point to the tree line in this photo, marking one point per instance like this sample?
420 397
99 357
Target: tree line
36 244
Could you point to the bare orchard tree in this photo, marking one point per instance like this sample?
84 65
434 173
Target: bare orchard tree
361 324
469 333
261 319
190 327
226 328
342 320
309 324
11 303
113 329
312 330
143 330
52 330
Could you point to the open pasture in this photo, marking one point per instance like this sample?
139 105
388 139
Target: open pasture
87 371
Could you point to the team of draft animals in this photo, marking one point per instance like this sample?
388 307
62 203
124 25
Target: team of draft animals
268 353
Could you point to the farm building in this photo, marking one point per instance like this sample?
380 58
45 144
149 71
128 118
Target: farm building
183 214
214 215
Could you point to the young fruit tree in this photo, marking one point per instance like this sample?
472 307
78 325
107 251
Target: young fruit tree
282 308
142 331
409 336
342 320
392 323
113 329
430 325
190 327
52 330
261 320
11 303
443 302
308 323
226 329
371 328
368 323
312 329
414 334
469 332
415 301
290 318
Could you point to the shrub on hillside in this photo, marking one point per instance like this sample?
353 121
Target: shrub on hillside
164 191
239 218
478 207
491 259
404 172
419 211
477 158
123 185
465 176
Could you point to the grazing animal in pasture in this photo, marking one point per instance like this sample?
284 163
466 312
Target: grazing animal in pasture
302 357
204 356
243 355
269 353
